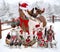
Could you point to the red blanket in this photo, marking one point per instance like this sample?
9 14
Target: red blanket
24 22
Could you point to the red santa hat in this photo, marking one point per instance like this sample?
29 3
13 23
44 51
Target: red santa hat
38 25
21 31
41 45
46 41
42 40
28 32
33 32
23 6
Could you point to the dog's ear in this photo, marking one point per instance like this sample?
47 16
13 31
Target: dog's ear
30 12
41 11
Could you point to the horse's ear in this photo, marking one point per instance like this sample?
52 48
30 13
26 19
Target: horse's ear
19 8
19 4
20 11
30 12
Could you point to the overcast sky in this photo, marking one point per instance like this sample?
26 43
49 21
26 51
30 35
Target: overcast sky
49 1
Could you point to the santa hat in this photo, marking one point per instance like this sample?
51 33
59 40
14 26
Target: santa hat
46 41
23 6
21 31
33 32
38 25
28 32
42 40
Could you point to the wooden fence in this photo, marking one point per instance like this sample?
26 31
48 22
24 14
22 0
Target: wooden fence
1 23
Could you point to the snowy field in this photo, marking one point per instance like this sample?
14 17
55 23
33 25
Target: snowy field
4 48
56 26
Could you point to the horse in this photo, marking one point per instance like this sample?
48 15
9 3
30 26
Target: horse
23 21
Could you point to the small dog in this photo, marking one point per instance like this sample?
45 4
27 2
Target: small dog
54 43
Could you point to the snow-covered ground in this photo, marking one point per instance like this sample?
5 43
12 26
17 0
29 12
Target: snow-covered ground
14 7
4 48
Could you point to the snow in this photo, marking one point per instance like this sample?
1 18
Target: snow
5 48
13 6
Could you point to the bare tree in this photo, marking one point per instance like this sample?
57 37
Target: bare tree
3 9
